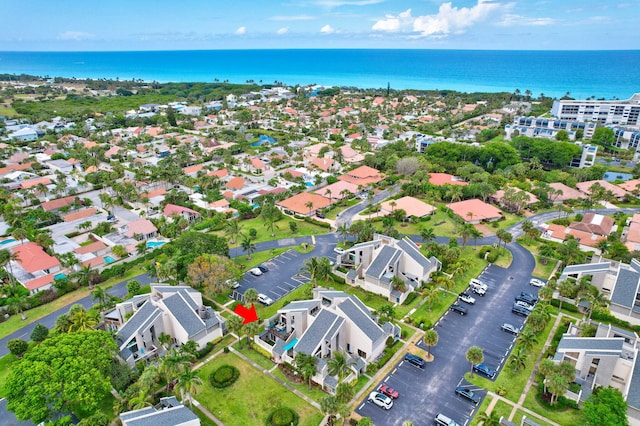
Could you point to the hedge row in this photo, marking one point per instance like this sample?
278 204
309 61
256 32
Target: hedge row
283 416
224 376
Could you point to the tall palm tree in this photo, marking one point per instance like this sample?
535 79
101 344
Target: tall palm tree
141 399
173 363
309 205
427 234
234 324
6 257
248 245
81 319
250 329
489 419
430 294
340 365
250 296
188 383
343 231
474 356
430 339
305 366
518 360
233 229
527 339
310 268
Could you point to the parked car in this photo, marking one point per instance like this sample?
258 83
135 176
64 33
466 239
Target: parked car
255 272
529 295
390 392
474 282
520 310
479 291
467 393
232 284
459 309
466 297
537 282
264 299
263 268
526 299
415 360
339 250
320 215
382 401
484 370
510 328
524 305
442 420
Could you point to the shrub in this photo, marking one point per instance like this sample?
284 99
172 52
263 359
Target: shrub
224 376
410 298
17 347
39 333
317 222
282 416
206 350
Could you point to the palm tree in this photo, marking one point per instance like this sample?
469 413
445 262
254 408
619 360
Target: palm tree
489 419
595 301
527 339
340 365
430 339
100 295
6 257
518 360
247 245
188 383
250 329
141 399
329 406
343 231
82 319
474 356
545 368
305 366
233 229
430 294
174 362
250 296
427 234
234 324
558 385
344 392
309 205
165 339
311 267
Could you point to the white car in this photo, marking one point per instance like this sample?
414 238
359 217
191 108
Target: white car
232 283
537 283
338 250
264 299
381 400
475 283
255 271
467 298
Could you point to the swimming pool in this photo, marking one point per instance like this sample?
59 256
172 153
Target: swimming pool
7 241
60 276
309 184
154 244
109 259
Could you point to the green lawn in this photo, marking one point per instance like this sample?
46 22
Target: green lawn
282 231
481 409
254 356
501 409
520 414
5 367
438 307
566 417
258 258
7 111
402 310
33 315
314 393
204 420
505 258
251 398
541 270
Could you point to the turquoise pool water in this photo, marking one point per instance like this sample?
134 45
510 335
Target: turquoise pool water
109 259
60 276
153 244
309 184
7 241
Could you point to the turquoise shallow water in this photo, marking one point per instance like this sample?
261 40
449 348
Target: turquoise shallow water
606 74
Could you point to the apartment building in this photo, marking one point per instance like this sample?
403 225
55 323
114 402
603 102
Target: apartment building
616 112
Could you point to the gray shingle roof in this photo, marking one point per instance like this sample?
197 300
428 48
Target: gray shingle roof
168 417
184 314
188 299
586 267
314 334
633 397
136 321
362 320
137 413
590 343
299 305
413 251
385 257
624 292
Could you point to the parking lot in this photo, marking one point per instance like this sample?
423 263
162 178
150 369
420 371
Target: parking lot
425 393
285 271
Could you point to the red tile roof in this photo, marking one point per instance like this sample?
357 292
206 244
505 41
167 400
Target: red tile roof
94 247
80 214
235 183
474 210
440 179
297 203
33 258
363 175
173 210
58 203
411 206
141 227
39 282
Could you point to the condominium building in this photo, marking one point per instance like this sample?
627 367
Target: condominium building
626 137
622 112
539 127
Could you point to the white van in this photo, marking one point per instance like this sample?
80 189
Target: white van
475 283
442 420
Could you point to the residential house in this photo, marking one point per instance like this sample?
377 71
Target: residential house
631 234
475 211
338 190
596 224
235 184
332 321
564 193
632 186
62 166
171 211
609 359
141 229
34 269
304 204
412 207
440 179
168 412
386 266
324 164
516 199
26 134
617 192
57 204
362 176
558 233
174 310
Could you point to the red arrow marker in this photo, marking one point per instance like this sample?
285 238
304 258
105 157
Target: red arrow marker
248 314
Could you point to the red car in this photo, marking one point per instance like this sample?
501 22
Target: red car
390 392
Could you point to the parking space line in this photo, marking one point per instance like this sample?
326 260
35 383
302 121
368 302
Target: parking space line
283 289
361 406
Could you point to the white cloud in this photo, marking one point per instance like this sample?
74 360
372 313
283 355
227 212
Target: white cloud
293 18
327 29
241 31
283 30
448 20
510 20
75 35
393 23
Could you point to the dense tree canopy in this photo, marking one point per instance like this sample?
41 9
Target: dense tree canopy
65 373
605 406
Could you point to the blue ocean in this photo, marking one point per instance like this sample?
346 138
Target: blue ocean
608 74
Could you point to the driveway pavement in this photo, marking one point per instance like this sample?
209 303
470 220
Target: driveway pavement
425 393
7 418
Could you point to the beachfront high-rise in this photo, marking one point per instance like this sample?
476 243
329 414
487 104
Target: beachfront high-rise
616 112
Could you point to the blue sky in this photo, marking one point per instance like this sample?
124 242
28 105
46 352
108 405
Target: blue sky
268 24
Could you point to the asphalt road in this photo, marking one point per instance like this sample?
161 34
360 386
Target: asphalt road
49 321
7 418
425 393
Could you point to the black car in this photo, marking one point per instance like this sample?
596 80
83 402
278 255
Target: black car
526 299
468 393
320 215
263 268
459 309
529 295
484 370
415 360
520 310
